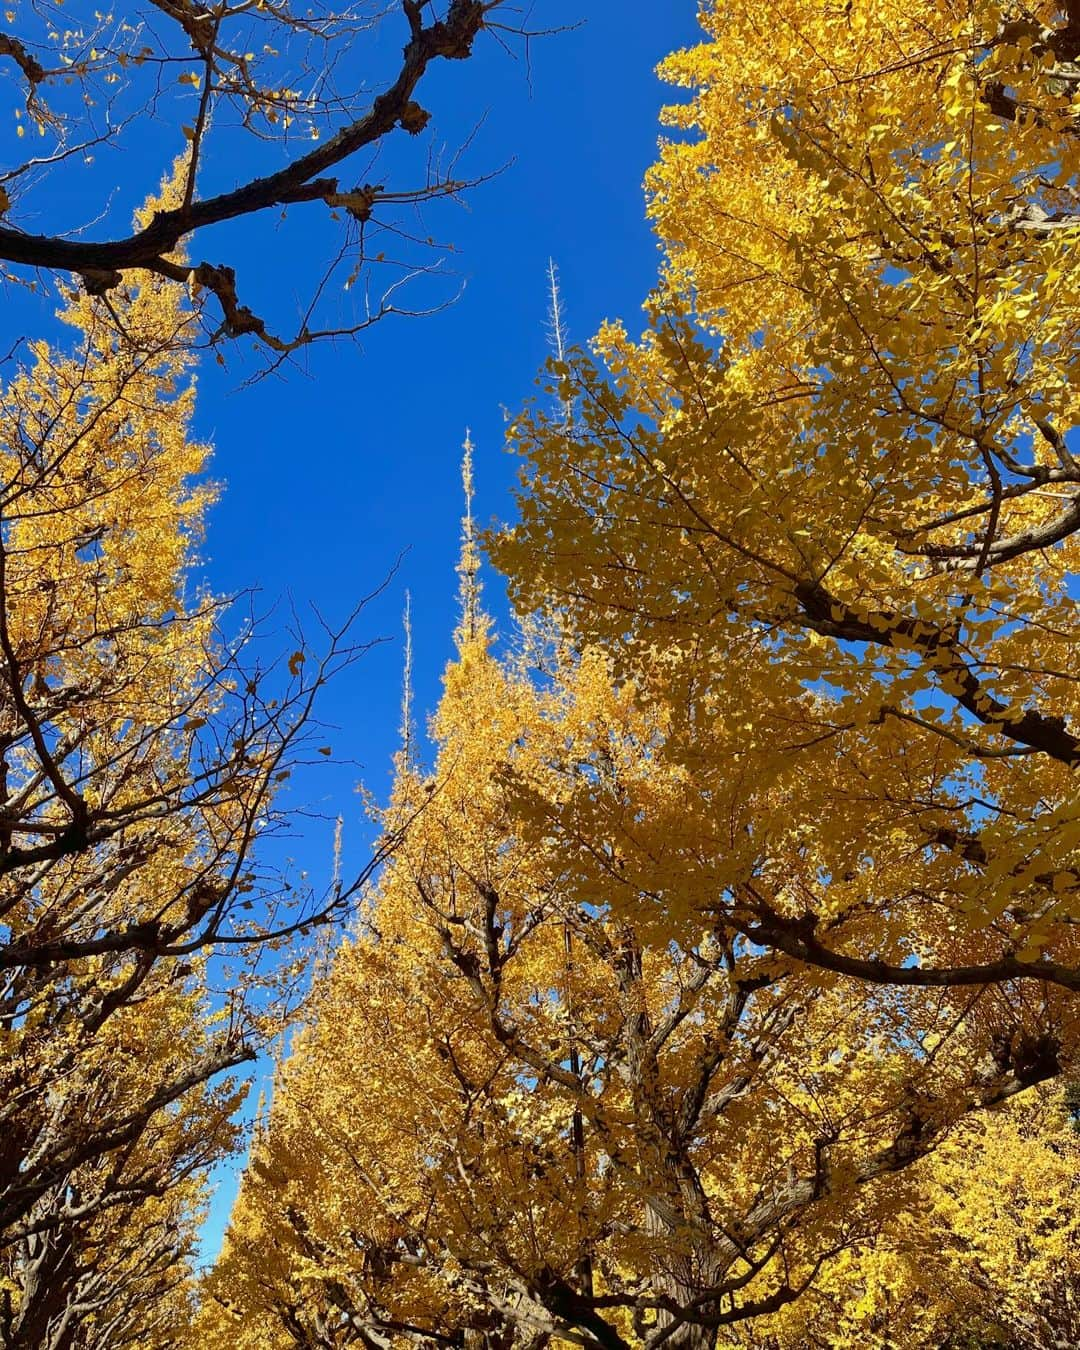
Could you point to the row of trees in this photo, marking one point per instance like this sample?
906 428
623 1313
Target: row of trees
139 761
146 954
721 984
527 1106
722 988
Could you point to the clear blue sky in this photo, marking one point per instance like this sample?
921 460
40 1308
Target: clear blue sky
330 475
334 470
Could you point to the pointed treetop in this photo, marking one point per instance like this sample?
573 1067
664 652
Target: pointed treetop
468 568
259 1129
265 1104
408 728
339 826
557 334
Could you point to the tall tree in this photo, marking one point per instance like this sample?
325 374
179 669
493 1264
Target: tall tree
138 759
532 1104
832 492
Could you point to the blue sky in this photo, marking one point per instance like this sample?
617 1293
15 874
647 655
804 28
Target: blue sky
335 470
352 458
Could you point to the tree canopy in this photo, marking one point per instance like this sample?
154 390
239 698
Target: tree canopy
712 932
140 756
839 463
521 1112
713 982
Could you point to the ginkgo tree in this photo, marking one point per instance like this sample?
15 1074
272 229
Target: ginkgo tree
980 1254
736 909
140 752
831 494
105 1256
531 1104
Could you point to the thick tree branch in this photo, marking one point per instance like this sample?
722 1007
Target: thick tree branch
797 938
826 614
102 264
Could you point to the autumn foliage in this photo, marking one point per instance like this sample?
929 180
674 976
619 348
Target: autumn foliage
521 1111
744 891
721 986
839 462
140 758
